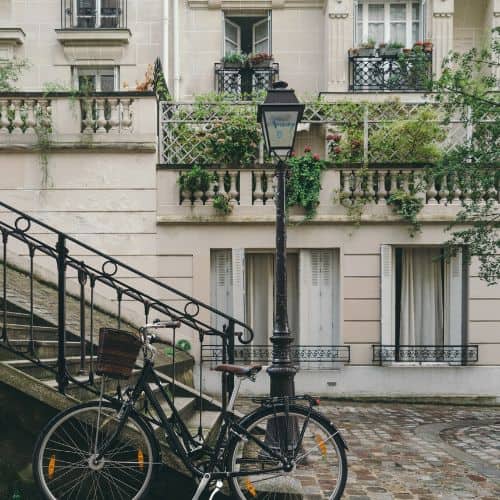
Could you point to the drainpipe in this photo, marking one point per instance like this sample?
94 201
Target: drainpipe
166 38
177 74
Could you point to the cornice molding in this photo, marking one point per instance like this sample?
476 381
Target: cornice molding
12 36
255 4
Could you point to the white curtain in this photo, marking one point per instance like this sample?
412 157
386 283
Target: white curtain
421 321
260 294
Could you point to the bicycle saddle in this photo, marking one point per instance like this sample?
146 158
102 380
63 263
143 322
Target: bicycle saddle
240 371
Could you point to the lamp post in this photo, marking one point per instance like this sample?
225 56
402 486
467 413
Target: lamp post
279 116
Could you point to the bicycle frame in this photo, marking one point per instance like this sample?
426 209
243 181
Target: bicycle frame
181 442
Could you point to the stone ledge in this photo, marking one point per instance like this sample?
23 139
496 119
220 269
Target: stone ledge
111 146
100 37
12 36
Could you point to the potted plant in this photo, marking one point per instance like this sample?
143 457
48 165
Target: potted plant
418 46
367 49
235 60
260 60
427 46
391 49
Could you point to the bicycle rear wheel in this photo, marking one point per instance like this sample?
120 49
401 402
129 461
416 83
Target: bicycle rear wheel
316 452
63 460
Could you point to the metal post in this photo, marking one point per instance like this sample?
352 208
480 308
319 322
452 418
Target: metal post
82 279
62 376
281 371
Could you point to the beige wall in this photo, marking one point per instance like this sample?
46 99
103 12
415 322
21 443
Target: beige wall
51 63
471 26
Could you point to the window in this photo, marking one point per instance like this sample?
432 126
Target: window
97 13
389 21
96 79
247 34
421 297
242 285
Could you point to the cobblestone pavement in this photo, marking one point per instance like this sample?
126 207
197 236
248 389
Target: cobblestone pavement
391 457
388 459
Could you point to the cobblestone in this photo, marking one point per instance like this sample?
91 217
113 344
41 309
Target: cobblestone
389 459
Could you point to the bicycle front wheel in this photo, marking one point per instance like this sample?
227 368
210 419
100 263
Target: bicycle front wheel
317 465
64 459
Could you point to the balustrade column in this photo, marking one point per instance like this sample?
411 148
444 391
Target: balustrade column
233 191
442 32
4 119
101 120
126 115
381 192
114 119
17 121
30 116
270 190
258 193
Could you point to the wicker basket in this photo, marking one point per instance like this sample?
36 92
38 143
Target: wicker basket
117 352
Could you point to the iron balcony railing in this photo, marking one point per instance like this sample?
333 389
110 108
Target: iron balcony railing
245 80
312 357
456 354
390 73
93 14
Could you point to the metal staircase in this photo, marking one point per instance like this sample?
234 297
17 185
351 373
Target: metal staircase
52 305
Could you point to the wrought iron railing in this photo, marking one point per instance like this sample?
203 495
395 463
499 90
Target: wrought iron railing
390 73
93 14
304 356
456 354
97 280
245 80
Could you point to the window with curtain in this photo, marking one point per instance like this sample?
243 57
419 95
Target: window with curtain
428 297
242 284
389 21
247 34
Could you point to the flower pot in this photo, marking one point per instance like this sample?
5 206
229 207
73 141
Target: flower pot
427 47
261 64
362 52
232 65
353 52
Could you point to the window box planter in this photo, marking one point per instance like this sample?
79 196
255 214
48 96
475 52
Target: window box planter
389 51
364 52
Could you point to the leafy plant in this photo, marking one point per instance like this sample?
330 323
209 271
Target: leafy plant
10 72
408 141
259 58
369 44
221 203
407 205
233 139
236 58
304 182
195 179
394 45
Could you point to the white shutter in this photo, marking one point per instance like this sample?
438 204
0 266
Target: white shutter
260 36
222 285
387 296
238 278
232 37
453 301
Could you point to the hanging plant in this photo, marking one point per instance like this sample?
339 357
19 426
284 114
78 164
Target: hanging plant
221 203
304 182
407 205
195 179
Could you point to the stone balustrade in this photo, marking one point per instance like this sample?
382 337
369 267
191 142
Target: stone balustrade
251 193
122 119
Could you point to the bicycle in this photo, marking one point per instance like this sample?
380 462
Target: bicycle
109 449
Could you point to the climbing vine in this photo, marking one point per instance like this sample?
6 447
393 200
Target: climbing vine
304 182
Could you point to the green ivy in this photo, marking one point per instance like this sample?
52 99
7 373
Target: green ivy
221 203
195 179
10 72
407 205
304 182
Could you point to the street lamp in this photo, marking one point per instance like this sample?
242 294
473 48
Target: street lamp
279 116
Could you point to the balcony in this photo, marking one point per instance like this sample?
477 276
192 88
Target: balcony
245 80
452 354
392 73
101 121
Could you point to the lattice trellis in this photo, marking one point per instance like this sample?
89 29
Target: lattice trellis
182 125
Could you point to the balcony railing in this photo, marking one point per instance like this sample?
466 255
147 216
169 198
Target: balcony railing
246 80
457 354
93 14
390 73
313 357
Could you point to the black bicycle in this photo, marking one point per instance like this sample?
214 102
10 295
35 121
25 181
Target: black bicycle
107 450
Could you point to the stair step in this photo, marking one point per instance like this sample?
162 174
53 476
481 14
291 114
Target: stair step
40 372
43 348
208 420
21 332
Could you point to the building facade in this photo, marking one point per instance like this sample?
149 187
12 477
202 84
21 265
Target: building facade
374 310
